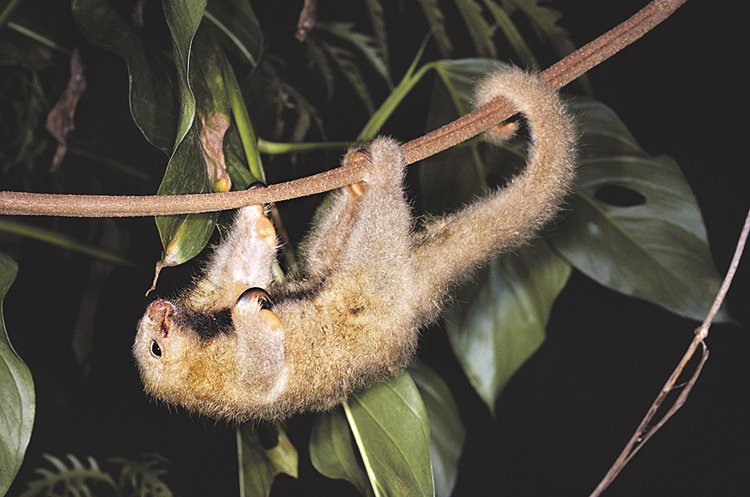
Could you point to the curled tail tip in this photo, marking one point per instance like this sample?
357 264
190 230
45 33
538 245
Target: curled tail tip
529 95
550 122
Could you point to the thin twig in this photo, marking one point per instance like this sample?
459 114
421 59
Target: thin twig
645 431
307 18
463 128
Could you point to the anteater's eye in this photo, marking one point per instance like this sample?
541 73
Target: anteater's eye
262 296
155 349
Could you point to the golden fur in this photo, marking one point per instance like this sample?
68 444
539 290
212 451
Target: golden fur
370 282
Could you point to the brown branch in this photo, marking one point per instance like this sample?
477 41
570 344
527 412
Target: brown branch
644 431
306 21
463 128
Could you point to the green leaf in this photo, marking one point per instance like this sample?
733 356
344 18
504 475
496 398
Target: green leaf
446 430
365 44
258 466
502 315
436 20
183 19
236 20
183 237
332 451
391 429
389 105
149 81
512 34
152 106
478 28
454 177
654 245
236 161
17 402
497 322
246 132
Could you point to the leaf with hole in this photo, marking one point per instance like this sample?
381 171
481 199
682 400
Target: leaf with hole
634 225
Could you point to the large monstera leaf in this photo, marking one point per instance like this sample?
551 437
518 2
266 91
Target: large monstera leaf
634 225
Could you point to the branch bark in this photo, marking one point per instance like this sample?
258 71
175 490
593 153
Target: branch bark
645 429
453 133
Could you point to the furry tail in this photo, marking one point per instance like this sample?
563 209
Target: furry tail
451 246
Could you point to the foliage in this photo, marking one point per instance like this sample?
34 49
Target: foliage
16 391
219 95
137 478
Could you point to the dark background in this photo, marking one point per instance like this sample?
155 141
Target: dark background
568 412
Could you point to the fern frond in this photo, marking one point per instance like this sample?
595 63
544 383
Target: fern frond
143 477
344 61
436 20
306 114
317 59
72 479
545 21
377 19
365 44
479 30
509 29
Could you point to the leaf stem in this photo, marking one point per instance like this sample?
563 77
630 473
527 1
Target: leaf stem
43 40
244 125
60 240
276 148
232 37
8 11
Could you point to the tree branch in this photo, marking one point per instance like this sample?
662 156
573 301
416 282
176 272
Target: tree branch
645 431
463 128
